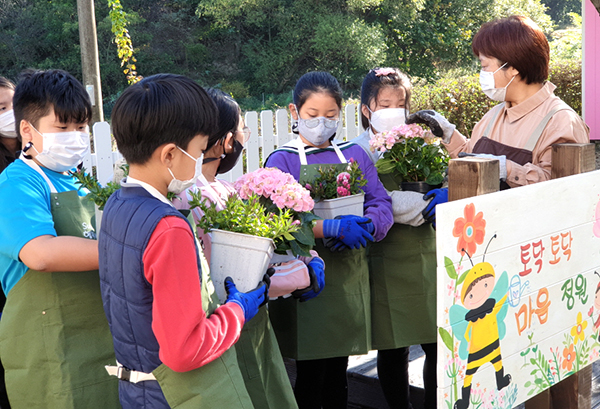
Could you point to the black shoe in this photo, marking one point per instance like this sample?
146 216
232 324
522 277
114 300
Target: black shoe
502 381
463 403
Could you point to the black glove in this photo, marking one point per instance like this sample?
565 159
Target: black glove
439 125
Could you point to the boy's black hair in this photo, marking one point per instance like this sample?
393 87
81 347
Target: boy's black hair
39 91
229 115
372 84
317 81
161 109
6 83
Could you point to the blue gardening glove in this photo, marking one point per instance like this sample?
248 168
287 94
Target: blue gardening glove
439 125
351 231
250 301
500 158
316 272
437 196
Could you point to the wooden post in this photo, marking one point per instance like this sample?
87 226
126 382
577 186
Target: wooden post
90 64
575 392
472 176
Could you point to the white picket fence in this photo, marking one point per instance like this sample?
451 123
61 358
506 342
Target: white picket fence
269 130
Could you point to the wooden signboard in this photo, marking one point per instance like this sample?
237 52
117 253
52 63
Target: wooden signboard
518 272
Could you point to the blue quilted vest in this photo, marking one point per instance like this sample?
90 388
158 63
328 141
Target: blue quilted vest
130 217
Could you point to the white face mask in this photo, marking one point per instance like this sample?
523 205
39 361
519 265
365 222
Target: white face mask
488 85
7 124
63 150
177 186
385 119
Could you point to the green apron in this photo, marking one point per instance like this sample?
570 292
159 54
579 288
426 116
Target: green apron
403 287
262 366
54 336
216 385
337 322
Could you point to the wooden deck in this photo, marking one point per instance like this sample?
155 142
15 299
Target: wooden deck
364 391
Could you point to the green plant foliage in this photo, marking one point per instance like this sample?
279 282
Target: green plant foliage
415 160
326 184
97 193
251 217
566 43
122 39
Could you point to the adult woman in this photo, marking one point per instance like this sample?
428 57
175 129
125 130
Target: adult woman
258 354
514 55
321 334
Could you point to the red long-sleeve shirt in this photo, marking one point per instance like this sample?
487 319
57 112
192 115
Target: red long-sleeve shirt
186 337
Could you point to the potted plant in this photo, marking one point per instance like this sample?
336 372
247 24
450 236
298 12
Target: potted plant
413 159
270 214
337 193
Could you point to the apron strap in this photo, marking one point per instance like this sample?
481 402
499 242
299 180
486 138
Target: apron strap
338 152
39 170
490 124
537 133
302 153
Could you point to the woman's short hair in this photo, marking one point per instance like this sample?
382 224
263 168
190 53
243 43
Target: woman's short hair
518 42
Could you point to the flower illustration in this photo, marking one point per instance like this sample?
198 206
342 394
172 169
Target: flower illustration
470 230
594 355
577 330
569 354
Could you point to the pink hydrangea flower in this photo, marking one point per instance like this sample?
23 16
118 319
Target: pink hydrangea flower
278 186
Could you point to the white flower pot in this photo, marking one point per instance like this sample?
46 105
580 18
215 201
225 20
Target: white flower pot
330 208
282 258
243 257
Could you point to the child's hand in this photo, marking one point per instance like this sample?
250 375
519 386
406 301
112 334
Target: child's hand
316 271
250 301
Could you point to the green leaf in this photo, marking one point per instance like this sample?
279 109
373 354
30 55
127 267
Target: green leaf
450 268
385 166
446 338
462 277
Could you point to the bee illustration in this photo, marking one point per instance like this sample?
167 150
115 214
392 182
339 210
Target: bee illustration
479 325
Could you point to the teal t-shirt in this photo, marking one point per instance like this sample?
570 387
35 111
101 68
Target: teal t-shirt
25 214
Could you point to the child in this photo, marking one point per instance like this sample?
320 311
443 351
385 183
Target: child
9 143
258 353
403 264
321 334
172 340
54 338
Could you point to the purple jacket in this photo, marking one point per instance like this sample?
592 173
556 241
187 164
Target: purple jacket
378 205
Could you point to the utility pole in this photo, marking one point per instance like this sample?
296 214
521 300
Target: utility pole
90 64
